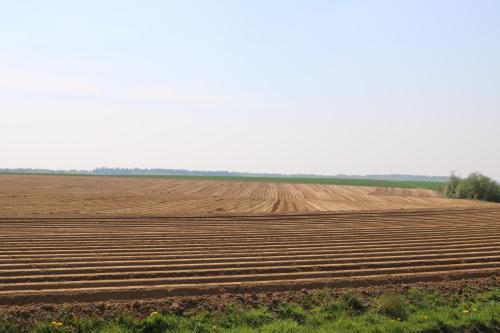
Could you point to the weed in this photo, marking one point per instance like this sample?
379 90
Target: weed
157 323
291 311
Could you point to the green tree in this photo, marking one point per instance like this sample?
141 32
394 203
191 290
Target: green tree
476 186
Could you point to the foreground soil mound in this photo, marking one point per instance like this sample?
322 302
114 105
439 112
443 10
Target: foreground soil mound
57 260
39 195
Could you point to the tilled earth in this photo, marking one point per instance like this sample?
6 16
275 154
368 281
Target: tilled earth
82 260
70 196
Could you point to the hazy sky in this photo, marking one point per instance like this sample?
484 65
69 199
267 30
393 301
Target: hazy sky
324 87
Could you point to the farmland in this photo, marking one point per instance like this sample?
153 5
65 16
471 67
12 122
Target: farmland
430 185
35 195
73 240
95 259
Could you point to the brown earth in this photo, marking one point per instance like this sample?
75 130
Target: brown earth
407 192
60 260
124 240
36 195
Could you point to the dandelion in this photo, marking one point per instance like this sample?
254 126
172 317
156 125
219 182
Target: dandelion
465 311
56 324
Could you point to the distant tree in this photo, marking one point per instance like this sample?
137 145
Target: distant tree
451 186
476 186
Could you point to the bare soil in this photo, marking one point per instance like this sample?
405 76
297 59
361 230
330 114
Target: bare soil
36 195
61 260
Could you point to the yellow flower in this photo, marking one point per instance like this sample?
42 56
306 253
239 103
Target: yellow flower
154 313
465 311
56 324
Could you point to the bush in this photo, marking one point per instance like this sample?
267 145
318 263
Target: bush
476 186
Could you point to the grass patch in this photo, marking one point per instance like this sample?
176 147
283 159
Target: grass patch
414 311
394 306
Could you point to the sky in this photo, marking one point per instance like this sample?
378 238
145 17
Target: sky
324 87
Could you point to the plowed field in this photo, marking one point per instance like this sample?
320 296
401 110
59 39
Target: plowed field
92 259
407 192
25 195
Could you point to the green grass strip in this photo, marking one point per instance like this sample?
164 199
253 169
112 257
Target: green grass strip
414 311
